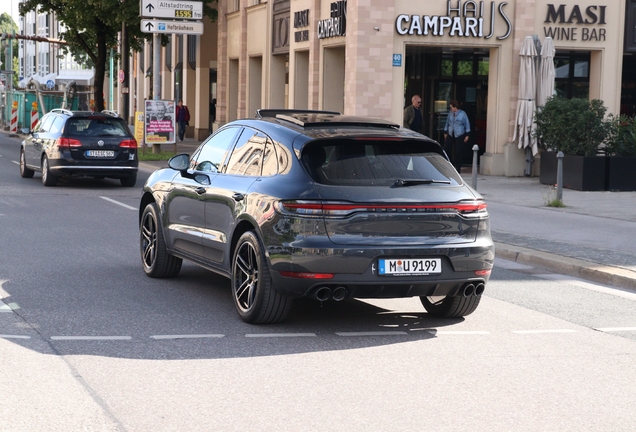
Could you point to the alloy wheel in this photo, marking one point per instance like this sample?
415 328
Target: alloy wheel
245 276
149 240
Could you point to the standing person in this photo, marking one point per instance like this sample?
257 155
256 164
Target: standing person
183 118
413 118
456 134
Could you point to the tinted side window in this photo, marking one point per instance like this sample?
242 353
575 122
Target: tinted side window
247 154
57 125
214 151
45 124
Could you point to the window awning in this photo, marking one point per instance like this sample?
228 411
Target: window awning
83 77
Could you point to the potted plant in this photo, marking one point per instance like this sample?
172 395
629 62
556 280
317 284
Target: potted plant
621 150
578 128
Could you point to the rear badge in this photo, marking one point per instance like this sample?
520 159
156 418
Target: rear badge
100 143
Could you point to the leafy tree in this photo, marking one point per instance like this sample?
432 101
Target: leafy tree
7 25
91 28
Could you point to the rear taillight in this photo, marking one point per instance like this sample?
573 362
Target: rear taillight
304 275
129 143
63 143
340 209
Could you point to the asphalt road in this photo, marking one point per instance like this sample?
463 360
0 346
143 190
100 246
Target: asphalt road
88 342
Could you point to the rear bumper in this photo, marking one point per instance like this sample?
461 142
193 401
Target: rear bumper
64 167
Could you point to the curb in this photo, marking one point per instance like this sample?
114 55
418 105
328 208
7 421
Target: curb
607 275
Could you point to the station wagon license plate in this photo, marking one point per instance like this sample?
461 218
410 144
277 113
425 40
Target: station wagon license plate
100 153
409 266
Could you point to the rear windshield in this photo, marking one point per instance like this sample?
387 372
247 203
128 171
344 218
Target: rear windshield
95 126
376 163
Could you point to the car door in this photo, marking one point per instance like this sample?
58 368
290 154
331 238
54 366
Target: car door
228 195
34 143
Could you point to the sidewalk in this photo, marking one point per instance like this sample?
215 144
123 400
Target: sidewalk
592 238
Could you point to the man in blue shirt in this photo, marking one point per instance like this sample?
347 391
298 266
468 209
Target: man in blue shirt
456 134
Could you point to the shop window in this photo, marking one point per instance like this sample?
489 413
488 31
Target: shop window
572 74
447 67
465 67
483 66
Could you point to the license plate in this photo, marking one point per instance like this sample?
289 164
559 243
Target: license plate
100 153
409 266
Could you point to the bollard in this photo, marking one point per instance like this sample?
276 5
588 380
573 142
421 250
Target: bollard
475 153
559 193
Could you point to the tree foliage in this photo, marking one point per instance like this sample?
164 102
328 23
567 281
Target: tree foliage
91 28
7 25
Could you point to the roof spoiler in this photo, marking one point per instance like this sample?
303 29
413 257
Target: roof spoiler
261 113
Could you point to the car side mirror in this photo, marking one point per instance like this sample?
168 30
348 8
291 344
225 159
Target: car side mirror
26 131
180 162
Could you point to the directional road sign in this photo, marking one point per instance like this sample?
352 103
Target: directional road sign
179 27
177 9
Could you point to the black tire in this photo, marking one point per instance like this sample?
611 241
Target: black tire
255 297
155 259
129 181
450 307
48 179
24 171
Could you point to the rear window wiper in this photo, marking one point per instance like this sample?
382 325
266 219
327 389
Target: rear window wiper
411 182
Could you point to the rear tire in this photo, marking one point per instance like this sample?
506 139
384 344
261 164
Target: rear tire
24 171
129 181
255 297
450 307
156 260
48 179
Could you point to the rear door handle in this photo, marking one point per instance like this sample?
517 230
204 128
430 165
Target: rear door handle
238 196
200 190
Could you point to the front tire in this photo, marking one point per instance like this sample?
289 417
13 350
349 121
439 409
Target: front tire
24 171
255 297
48 179
450 307
156 260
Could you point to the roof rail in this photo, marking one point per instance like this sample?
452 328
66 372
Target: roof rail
260 113
309 120
110 113
62 111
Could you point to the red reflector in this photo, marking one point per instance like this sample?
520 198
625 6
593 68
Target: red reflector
307 275
68 142
129 143
483 272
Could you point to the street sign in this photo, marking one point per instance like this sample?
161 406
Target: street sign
192 10
179 27
50 84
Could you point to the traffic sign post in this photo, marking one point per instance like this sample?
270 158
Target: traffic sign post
192 10
179 27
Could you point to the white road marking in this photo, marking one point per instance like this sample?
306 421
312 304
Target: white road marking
8 307
273 335
619 292
458 332
511 265
14 337
376 333
615 329
544 331
119 203
17 163
193 336
91 337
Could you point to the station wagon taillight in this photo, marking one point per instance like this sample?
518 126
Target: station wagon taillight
129 143
64 142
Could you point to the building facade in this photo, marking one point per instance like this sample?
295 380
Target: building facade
368 57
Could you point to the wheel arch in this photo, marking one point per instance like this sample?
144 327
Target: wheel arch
242 227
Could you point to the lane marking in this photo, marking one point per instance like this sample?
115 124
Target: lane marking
91 337
14 337
458 332
274 335
8 307
615 329
618 292
544 331
193 336
118 203
376 333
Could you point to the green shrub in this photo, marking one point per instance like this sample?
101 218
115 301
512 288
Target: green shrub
573 126
622 141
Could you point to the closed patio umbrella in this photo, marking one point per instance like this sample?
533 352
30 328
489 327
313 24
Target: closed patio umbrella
525 125
546 72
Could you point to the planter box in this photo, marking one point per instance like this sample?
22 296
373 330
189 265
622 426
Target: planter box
584 173
622 174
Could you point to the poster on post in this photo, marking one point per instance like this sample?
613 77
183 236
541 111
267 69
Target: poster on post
160 122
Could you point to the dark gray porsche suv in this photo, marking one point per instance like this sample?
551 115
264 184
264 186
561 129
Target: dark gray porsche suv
320 205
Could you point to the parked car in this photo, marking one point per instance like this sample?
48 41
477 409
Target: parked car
80 143
320 205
